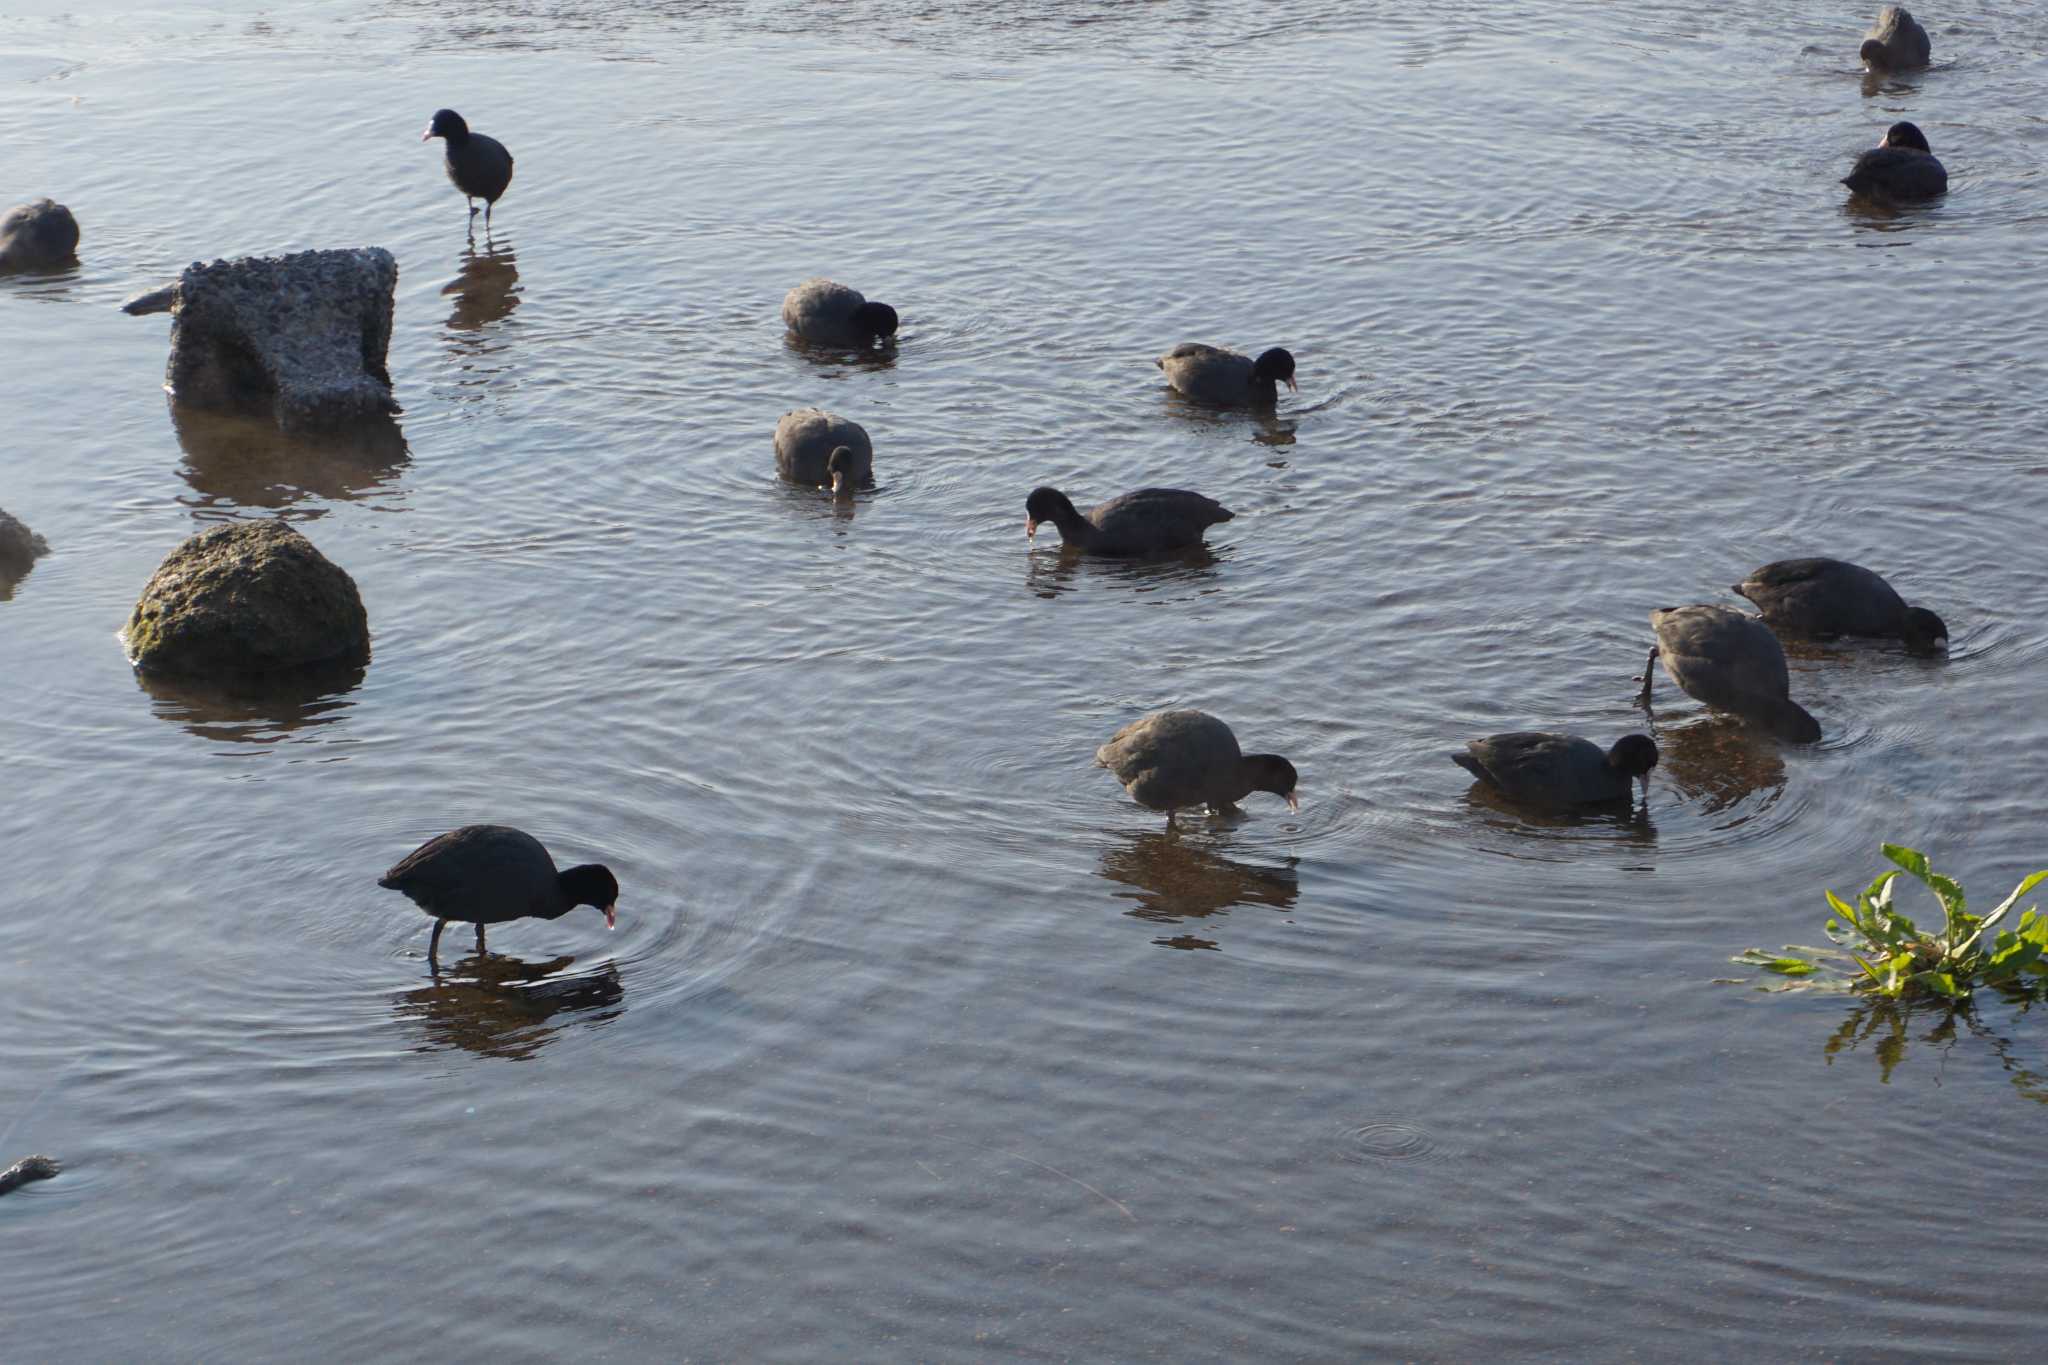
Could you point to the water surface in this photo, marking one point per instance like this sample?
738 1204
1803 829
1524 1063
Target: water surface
916 1038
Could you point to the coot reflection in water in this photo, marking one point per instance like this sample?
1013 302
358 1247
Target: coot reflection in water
485 287
11 576
1720 762
500 1006
234 461
1172 879
1267 427
256 708
1049 572
871 359
1624 821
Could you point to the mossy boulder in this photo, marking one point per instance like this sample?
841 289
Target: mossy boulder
246 597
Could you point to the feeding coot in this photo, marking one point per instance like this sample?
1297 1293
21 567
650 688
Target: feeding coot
1731 662
1145 521
1825 597
1895 42
479 165
827 313
488 874
1171 759
816 447
1210 374
1900 166
1559 770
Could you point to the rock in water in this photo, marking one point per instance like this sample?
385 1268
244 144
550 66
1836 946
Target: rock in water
247 597
19 546
38 235
299 337
27 1169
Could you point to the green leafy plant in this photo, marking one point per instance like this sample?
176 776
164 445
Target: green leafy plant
1895 959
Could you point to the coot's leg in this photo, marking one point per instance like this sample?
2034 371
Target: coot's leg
1169 817
479 940
434 943
1649 674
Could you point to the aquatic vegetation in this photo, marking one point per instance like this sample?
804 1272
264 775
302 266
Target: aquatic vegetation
1895 959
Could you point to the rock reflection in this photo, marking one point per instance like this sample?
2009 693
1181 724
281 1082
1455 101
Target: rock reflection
235 461
1884 1029
485 288
257 708
1172 879
500 1006
1719 762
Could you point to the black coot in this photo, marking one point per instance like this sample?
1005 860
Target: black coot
1901 166
488 874
1559 770
1145 521
1172 759
1731 662
480 166
1826 597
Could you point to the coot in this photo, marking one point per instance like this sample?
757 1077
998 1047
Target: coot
1731 662
488 874
1210 374
1825 597
1896 42
1171 759
479 165
38 235
1901 166
830 314
1142 522
1559 770
809 440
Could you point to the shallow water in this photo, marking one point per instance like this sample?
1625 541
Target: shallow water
885 1059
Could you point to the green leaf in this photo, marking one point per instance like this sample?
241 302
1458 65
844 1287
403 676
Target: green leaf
1911 859
1940 983
2010 955
1789 966
2022 889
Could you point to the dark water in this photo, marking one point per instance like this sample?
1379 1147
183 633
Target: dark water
916 1038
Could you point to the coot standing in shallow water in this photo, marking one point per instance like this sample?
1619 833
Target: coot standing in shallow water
1826 597
479 165
1731 662
1145 521
1900 166
1172 759
489 874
